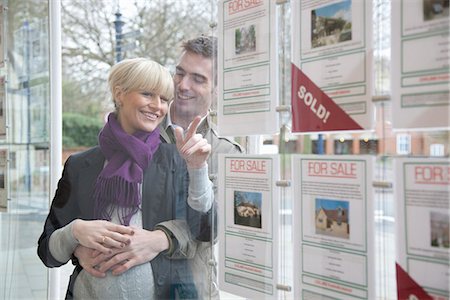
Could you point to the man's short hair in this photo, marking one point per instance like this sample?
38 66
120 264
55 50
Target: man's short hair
203 45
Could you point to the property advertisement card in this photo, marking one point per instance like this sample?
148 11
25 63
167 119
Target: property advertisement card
422 193
420 64
2 38
3 180
2 107
333 217
247 68
248 227
332 48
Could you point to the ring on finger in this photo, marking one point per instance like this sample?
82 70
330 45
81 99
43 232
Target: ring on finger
103 239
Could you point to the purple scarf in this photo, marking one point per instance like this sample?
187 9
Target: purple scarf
117 186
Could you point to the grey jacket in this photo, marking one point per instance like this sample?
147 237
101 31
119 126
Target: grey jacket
205 275
164 194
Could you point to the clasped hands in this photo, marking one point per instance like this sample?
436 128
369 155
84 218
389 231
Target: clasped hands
105 246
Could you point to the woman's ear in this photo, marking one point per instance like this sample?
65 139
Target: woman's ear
118 94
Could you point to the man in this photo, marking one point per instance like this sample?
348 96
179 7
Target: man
195 83
195 86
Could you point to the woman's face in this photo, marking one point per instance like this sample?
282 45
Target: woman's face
141 110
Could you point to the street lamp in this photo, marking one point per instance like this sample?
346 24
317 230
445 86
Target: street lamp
118 24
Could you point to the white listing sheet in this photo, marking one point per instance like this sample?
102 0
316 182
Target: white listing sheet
2 107
247 68
422 192
332 45
248 227
333 243
420 64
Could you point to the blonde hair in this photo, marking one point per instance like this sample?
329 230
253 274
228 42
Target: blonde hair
141 74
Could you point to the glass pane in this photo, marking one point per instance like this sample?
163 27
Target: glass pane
124 31
97 35
27 141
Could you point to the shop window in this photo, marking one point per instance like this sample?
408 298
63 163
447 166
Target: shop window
403 144
367 146
12 160
437 150
343 146
316 146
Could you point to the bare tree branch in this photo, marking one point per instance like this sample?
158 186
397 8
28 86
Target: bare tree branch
89 37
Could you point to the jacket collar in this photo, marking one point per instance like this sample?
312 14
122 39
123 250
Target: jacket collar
203 128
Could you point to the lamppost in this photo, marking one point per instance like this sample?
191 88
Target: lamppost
118 24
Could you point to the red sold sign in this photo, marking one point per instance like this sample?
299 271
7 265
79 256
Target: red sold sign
313 110
407 288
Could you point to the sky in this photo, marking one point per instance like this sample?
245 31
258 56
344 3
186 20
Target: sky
331 204
336 10
250 197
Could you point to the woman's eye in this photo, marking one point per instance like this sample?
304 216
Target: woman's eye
147 94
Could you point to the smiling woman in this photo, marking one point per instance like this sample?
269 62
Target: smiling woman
141 89
140 110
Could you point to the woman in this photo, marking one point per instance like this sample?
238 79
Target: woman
112 198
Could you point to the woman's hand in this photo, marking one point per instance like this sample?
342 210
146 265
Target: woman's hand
101 235
145 245
193 147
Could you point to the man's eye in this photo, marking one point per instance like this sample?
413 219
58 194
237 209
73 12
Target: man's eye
147 94
179 72
199 79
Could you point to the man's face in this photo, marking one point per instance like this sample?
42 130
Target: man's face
193 87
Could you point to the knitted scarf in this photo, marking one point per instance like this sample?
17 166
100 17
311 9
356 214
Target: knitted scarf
117 186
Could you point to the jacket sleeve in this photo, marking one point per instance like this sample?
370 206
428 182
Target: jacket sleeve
200 223
201 193
204 225
62 212
181 243
166 206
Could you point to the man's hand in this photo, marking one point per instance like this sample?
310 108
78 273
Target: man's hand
192 146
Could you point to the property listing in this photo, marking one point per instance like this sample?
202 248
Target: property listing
332 46
248 227
423 248
333 243
247 67
420 64
2 107
2 38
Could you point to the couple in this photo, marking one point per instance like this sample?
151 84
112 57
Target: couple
133 213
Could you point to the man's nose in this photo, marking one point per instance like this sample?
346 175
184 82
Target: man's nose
184 83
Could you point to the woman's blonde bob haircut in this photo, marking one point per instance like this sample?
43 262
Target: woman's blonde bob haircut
141 74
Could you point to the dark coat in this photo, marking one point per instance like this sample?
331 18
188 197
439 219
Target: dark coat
164 197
